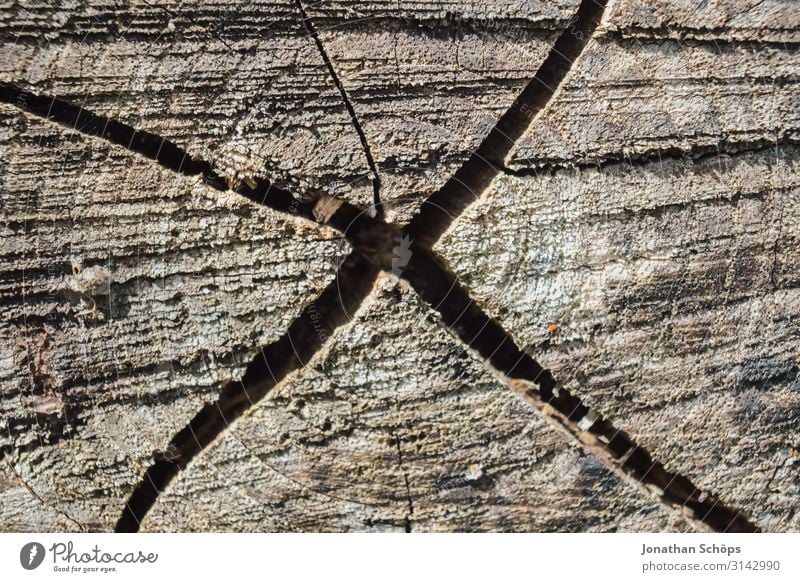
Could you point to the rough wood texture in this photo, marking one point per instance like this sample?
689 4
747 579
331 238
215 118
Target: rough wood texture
428 81
634 98
640 239
758 21
662 289
238 83
380 433
664 294
97 377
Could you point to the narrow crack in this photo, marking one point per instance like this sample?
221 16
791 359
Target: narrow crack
725 147
361 226
151 146
477 173
305 336
407 521
376 180
407 524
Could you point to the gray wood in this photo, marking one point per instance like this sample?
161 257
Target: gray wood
380 433
641 241
94 379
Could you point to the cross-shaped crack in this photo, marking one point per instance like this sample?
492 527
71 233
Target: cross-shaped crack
374 244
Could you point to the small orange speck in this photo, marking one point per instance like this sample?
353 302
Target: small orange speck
552 328
794 452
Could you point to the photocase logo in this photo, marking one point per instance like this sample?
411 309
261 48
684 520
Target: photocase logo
31 555
402 255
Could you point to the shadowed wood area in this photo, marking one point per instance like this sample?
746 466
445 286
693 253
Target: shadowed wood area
594 204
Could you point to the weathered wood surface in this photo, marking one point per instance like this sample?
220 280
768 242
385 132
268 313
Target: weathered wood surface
238 83
663 288
664 294
96 378
380 434
736 20
642 243
632 98
429 80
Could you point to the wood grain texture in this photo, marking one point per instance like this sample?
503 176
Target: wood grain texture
665 296
240 84
661 288
641 241
99 370
757 21
394 428
429 80
635 98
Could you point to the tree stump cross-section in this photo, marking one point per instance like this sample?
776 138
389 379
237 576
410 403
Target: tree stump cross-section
410 258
